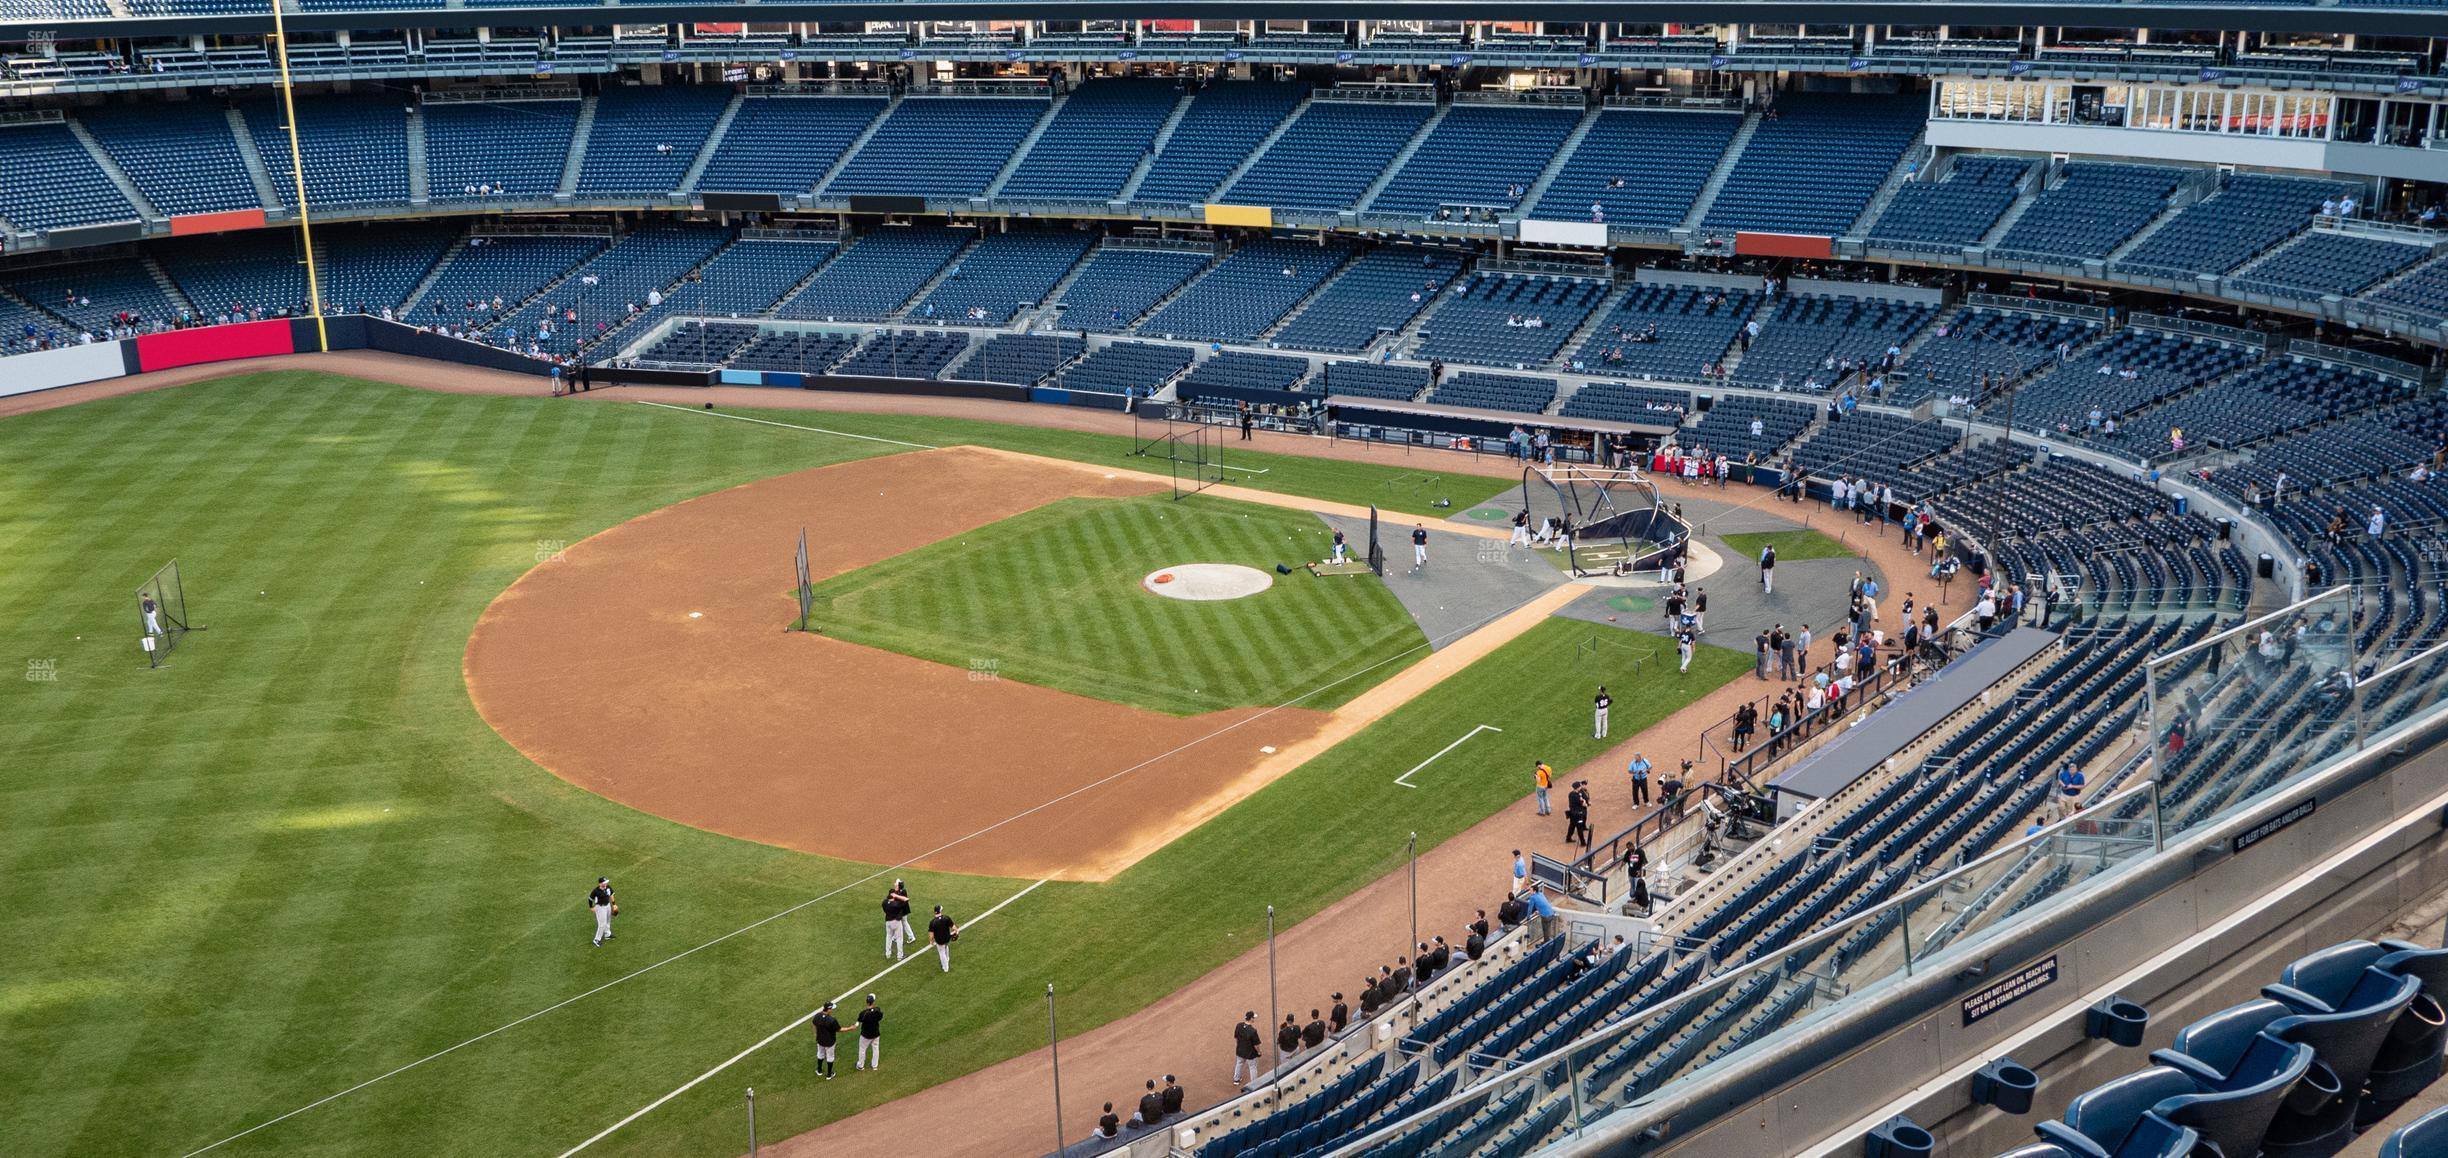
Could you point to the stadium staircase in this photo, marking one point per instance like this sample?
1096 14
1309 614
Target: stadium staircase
1292 311
1765 314
111 169
425 284
584 129
713 141
1916 154
2201 183
1021 151
1564 153
420 174
1158 306
927 288
1600 315
1156 148
1725 168
1402 157
2023 202
169 287
265 191
775 310
1260 149
852 149
1043 315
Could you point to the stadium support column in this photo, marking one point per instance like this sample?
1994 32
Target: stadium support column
297 176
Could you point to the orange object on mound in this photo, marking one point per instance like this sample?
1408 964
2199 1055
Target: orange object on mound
1167 577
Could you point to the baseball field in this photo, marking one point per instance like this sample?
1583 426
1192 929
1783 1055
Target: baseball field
315 885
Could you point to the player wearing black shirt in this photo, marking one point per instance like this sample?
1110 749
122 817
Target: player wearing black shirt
828 1031
871 1037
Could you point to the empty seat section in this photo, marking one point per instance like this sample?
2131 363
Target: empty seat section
88 295
1955 210
363 269
646 137
1248 290
1127 367
786 144
1099 135
1378 293
355 148
1224 125
1979 350
1494 391
878 272
700 343
939 147
2135 368
1813 167
181 154
1330 155
2091 210
1005 272
746 278
1021 359
906 354
1119 284
2328 263
1376 380
53 181
1726 428
1510 319
1476 155
1232 373
2422 293
1626 402
2249 215
1642 167
795 351
519 147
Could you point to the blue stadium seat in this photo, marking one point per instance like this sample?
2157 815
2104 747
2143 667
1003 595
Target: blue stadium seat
1128 367
1510 319
932 146
1248 290
180 155
519 146
1094 140
1117 284
1813 167
1378 293
785 144
355 148
54 181
877 272
2424 1137
1475 155
1224 123
1376 380
2093 209
2328 263
646 137
1643 167
1005 272
2249 215
1954 210
1329 155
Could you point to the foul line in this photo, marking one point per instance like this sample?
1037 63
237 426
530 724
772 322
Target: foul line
788 425
787 1027
1405 778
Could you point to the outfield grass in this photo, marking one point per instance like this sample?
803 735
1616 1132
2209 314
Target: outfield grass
1400 482
296 859
1053 597
1791 545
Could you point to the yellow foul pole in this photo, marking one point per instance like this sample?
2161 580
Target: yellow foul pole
297 173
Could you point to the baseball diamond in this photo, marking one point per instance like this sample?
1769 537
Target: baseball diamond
1372 582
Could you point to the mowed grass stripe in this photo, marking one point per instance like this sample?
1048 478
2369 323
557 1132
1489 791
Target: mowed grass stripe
220 821
1056 595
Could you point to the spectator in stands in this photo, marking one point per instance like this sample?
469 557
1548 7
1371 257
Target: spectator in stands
1540 906
2377 524
1245 1050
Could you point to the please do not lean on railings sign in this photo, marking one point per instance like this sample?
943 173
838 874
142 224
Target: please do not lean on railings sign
2014 987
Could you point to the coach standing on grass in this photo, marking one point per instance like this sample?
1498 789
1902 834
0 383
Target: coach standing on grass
600 900
1603 702
871 1037
943 932
1767 566
828 1031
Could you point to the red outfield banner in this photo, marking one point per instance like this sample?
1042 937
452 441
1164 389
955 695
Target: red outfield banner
189 223
1784 245
213 344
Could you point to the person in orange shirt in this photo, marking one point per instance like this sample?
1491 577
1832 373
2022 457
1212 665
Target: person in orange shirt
1544 777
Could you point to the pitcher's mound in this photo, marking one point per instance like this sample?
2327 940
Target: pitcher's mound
1207 581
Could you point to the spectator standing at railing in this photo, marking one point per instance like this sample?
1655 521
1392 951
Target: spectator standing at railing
1639 770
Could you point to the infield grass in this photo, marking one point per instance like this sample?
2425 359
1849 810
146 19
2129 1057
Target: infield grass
1054 597
1791 546
295 859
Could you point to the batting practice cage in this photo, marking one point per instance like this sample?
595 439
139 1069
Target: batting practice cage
161 611
1616 522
